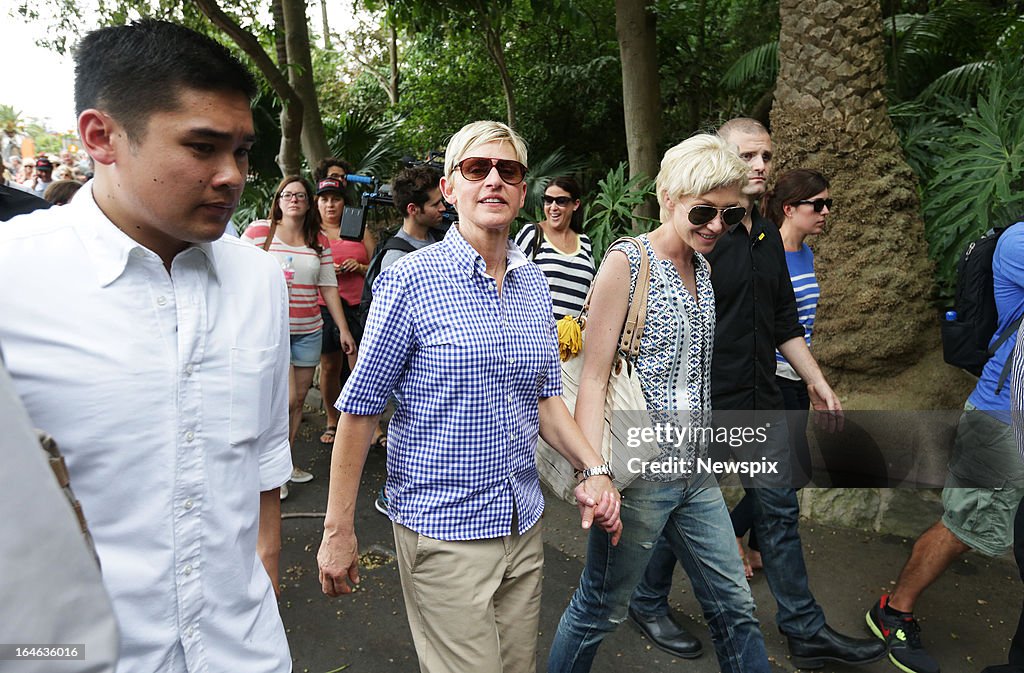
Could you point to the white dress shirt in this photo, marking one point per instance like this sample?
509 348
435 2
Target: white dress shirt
168 394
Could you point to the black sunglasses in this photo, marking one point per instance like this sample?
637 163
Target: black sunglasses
559 200
476 169
702 214
818 204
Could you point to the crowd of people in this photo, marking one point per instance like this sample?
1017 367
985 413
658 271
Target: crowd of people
46 178
174 372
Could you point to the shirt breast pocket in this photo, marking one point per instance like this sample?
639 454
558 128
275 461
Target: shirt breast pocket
252 386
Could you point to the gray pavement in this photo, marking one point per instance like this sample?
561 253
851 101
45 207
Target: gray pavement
967 617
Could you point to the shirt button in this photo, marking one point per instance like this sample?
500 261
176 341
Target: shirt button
188 570
161 300
189 436
189 369
189 631
188 504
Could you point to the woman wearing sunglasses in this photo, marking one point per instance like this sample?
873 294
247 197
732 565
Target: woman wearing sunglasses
560 248
699 191
462 332
799 204
292 235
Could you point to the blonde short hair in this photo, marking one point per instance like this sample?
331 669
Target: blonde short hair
480 133
700 164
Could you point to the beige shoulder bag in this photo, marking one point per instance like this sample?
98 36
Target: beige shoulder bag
625 408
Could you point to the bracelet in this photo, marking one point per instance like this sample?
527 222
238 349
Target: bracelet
595 471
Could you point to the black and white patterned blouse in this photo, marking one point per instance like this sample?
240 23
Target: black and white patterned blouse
674 364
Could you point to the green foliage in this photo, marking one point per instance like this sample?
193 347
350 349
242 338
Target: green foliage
10 119
979 176
760 63
255 202
369 145
609 214
947 50
543 170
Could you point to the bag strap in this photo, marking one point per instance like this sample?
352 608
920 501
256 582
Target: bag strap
636 317
538 238
1010 330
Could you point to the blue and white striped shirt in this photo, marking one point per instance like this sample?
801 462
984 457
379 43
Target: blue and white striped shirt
805 289
467 367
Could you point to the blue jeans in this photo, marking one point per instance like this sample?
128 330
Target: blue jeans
776 520
694 520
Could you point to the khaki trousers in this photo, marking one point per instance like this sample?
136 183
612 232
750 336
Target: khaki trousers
473 606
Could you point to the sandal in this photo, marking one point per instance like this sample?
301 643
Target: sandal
328 436
380 443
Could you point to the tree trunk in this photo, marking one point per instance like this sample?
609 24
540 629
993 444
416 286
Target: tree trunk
392 58
300 76
327 30
874 318
641 96
291 116
495 47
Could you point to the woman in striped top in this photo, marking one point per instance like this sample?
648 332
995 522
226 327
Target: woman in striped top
295 239
560 248
798 205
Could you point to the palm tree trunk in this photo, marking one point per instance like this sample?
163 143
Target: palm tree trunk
874 319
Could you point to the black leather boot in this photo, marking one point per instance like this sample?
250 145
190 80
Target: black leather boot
666 634
828 645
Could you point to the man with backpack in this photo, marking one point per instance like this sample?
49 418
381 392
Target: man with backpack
417 195
985 482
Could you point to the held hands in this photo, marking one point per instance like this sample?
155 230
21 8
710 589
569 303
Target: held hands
599 502
828 410
338 562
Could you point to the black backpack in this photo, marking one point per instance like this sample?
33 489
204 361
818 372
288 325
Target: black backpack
366 298
966 337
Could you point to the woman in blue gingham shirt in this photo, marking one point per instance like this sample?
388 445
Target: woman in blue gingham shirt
462 333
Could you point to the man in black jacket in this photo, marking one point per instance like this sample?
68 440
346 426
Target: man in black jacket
756 314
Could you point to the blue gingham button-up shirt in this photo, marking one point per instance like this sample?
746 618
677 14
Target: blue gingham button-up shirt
467 367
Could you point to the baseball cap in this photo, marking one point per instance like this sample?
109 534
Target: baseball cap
43 164
329 185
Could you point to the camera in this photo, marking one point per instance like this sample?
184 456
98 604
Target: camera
353 219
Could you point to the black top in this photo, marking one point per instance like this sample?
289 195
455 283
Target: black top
755 310
16 202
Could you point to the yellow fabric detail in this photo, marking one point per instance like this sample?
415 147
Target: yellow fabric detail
570 338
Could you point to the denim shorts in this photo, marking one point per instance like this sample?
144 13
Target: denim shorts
985 483
306 349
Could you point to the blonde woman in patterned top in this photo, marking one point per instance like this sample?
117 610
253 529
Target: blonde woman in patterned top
699 194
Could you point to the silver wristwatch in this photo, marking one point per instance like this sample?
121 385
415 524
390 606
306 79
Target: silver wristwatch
604 468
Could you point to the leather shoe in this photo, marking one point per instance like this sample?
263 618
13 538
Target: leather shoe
666 634
828 645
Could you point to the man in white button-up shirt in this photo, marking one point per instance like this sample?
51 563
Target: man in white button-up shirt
157 355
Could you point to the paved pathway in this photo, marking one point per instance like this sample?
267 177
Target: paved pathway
967 618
